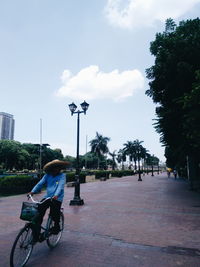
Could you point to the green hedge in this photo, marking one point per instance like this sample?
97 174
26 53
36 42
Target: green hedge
19 184
71 177
114 173
117 173
121 173
102 174
128 172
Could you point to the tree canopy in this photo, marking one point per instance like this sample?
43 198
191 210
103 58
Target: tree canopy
99 146
14 155
175 87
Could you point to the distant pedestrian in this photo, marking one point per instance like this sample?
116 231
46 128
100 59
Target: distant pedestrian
168 173
175 173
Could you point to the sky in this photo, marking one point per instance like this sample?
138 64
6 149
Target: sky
53 53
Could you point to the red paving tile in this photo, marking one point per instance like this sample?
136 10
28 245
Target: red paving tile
124 222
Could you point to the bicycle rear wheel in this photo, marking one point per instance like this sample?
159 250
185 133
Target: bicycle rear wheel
53 240
22 247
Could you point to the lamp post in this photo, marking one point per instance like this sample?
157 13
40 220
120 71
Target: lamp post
77 200
152 170
139 172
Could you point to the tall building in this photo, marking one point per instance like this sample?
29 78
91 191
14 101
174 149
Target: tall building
7 125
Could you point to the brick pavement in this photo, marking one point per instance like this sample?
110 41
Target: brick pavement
153 223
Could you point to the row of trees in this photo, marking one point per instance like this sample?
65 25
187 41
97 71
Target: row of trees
14 155
175 88
133 150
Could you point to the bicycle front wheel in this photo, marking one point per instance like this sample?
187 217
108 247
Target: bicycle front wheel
53 240
22 247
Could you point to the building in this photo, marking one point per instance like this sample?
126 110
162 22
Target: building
7 125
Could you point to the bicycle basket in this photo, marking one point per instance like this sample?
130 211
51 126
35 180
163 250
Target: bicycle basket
29 211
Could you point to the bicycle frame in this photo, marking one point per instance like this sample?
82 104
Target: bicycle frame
46 228
23 244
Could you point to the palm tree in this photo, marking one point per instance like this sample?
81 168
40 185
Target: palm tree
121 157
132 149
146 159
113 155
99 146
138 150
143 155
129 150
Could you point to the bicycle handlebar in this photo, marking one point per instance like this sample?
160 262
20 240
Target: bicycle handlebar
29 196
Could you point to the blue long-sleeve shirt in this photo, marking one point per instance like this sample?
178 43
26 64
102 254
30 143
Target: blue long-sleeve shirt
55 185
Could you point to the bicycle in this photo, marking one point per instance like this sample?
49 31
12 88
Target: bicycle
23 244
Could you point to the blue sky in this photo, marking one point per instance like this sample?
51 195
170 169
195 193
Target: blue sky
56 52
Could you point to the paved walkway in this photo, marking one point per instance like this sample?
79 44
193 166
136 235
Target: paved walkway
153 223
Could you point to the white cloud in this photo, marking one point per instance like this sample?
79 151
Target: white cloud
91 83
137 13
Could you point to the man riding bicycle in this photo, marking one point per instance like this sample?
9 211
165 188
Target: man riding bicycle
54 180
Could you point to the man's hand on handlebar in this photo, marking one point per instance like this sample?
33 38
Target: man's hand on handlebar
30 194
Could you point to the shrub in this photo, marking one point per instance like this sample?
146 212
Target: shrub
71 177
117 173
17 184
128 172
102 174
90 172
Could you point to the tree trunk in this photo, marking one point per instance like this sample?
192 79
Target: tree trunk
135 164
193 172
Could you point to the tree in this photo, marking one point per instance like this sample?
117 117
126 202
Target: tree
58 153
99 146
190 103
121 157
147 161
23 160
47 154
170 25
143 153
135 151
89 160
33 151
14 155
71 160
139 151
113 155
174 86
129 151
10 152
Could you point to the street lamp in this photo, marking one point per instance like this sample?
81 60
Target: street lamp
139 172
152 170
77 200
